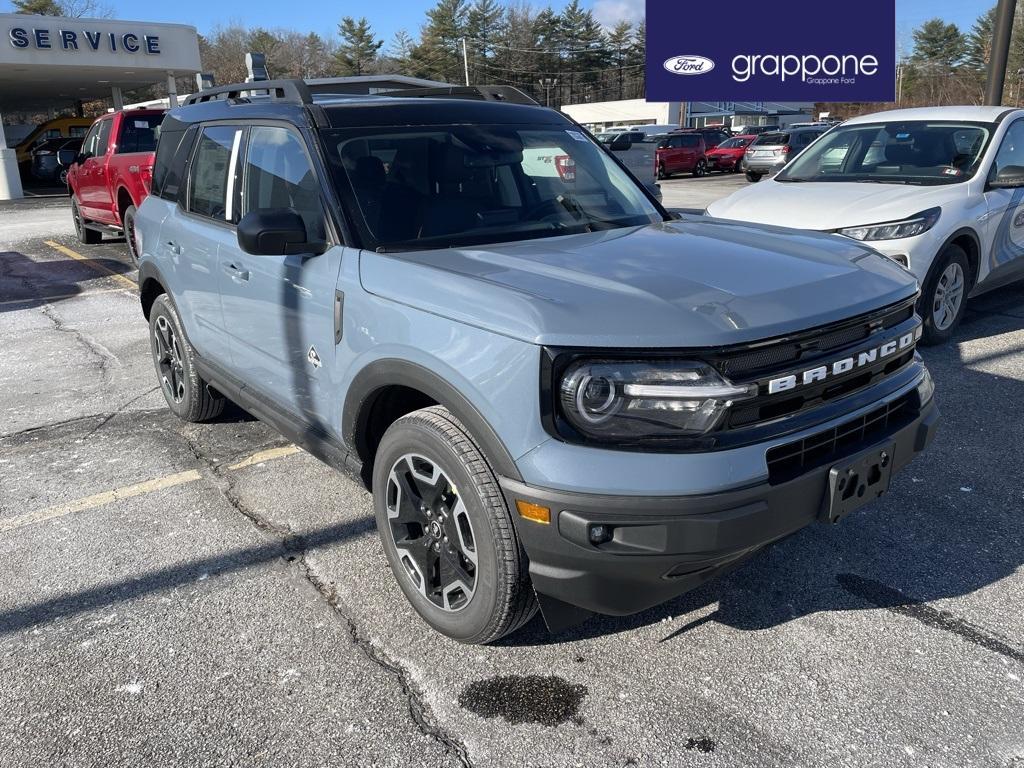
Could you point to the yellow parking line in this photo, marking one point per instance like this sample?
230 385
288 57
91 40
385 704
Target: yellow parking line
97 500
61 297
138 489
90 263
267 455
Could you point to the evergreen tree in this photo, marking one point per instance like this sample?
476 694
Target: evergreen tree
38 7
938 43
439 53
620 39
358 51
979 40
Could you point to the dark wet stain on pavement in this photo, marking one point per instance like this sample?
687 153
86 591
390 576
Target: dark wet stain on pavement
893 600
518 699
703 744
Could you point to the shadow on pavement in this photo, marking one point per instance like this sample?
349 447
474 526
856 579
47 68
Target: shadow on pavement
175 576
27 283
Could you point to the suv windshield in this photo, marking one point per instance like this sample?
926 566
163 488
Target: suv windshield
894 153
443 187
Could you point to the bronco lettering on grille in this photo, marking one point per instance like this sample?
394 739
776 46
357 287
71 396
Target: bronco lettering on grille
847 364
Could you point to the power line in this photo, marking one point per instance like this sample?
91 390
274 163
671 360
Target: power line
591 49
560 73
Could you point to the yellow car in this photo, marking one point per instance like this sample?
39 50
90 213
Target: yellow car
59 127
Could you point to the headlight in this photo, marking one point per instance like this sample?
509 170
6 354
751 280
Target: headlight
895 230
612 400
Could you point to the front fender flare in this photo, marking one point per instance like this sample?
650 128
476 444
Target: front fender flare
380 374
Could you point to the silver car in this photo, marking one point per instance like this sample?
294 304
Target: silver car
769 152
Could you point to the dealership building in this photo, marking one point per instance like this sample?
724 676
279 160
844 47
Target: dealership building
598 116
53 64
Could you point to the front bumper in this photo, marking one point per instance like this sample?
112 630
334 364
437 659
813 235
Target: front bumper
664 546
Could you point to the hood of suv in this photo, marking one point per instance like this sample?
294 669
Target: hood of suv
690 283
830 205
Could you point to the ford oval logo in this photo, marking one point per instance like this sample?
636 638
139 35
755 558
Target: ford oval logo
689 65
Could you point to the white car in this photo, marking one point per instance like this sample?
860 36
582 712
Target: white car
939 190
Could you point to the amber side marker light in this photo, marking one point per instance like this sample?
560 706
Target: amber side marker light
534 512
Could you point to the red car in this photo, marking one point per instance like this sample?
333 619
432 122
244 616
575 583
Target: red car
713 134
726 156
680 153
111 176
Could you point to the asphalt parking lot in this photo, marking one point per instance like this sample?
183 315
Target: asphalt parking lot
208 595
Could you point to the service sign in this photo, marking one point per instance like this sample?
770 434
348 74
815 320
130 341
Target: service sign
802 50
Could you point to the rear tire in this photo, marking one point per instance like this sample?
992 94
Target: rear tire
85 235
944 295
128 223
662 173
753 178
187 395
443 523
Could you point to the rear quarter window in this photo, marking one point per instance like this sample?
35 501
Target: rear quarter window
172 152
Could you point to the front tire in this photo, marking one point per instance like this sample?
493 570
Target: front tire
447 531
85 235
662 173
944 295
700 169
187 395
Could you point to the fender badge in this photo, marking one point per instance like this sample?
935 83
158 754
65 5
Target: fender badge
313 357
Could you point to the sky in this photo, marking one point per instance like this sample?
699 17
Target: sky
389 16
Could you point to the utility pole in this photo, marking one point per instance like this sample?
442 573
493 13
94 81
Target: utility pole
547 83
465 59
1000 52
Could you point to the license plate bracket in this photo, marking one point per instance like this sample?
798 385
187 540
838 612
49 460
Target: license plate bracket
858 481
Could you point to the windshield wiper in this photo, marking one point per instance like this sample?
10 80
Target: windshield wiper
883 181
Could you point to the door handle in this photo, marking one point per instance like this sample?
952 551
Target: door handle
235 273
173 248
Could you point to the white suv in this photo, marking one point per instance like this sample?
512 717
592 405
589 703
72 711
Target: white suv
939 190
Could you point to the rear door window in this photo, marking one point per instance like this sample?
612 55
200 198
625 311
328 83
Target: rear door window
211 187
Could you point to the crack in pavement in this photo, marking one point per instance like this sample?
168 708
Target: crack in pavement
294 546
105 359
103 417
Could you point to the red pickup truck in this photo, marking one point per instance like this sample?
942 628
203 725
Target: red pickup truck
111 177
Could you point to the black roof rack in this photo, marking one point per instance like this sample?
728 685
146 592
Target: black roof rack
294 91
298 92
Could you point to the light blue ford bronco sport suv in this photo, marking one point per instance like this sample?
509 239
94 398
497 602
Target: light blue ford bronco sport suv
560 394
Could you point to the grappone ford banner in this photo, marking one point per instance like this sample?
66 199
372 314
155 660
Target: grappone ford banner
807 52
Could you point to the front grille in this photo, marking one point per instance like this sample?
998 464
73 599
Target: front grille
797 348
822 346
793 459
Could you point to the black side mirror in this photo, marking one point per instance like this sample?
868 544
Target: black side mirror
1008 177
276 232
620 144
